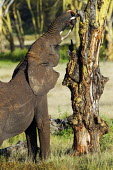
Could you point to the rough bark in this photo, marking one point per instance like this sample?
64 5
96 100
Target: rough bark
79 5
85 81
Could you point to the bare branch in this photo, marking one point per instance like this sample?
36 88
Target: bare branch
7 8
2 3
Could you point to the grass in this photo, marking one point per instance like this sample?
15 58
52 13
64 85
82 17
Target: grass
59 158
62 142
18 54
6 70
15 56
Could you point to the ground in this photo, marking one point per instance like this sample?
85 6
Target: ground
60 106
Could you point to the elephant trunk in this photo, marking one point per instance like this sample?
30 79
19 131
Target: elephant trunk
59 25
48 43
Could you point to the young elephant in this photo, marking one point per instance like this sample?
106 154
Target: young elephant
23 100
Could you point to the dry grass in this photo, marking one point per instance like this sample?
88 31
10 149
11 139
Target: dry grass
106 102
59 98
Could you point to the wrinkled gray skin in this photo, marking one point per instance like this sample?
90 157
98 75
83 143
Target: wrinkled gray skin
23 100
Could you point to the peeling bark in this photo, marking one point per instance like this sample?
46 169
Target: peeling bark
86 83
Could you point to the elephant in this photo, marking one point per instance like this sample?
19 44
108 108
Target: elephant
23 100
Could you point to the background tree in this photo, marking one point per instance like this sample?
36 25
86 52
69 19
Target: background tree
109 34
32 15
6 27
1 41
51 10
68 4
38 15
17 24
8 31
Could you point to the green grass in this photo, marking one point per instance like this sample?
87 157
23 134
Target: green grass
15 56
7 64
61 159
18 54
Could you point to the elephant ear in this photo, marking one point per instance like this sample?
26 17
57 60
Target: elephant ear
42 78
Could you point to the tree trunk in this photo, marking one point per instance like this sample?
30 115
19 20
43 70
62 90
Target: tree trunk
18 26
8 32
33 17
1 25
85 81
77 5
40 18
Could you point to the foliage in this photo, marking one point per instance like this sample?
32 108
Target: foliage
65 133
34 17
107 139
64 52
16 55
7 64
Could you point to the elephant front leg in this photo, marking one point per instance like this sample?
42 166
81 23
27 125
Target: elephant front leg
31 136
43 125
44 138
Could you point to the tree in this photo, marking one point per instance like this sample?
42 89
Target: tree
1 41
8 31
18 25
85 81
51 9
79 5
67 5
73 5
5 23
33 17
40 15
109 33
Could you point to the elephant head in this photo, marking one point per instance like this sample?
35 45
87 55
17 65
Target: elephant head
66 20
43 55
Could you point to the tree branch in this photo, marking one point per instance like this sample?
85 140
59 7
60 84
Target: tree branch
7 7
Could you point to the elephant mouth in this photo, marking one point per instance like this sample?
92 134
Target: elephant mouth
70 25
66 35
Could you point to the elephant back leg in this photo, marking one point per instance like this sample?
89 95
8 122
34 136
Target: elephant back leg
31 136
43 125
